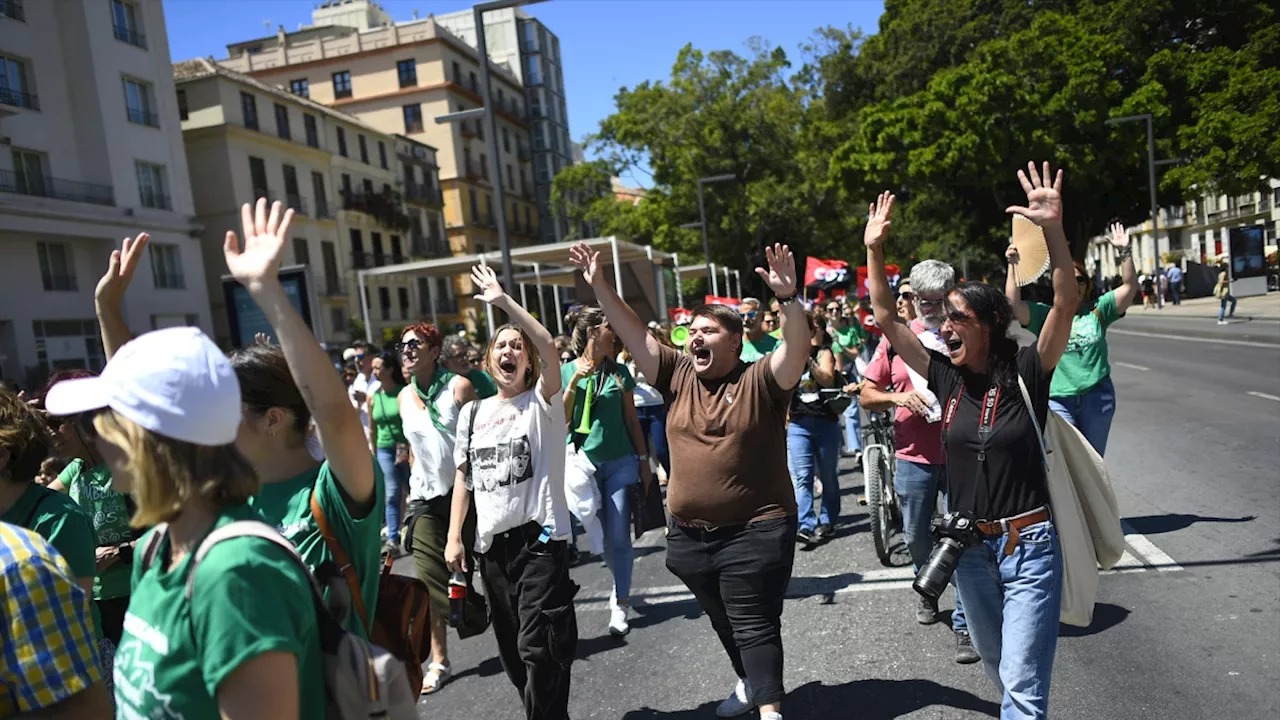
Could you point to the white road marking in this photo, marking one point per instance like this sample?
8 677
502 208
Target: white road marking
1183 338
1131 365
1154 556
1263 395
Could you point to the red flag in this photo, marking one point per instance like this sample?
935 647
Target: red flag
893 271
714 300
825 273
679 315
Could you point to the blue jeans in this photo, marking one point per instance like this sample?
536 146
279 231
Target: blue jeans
653 419
1013 603
853 427
1091 413
615 478
396 478
1222 310
813 444
917 486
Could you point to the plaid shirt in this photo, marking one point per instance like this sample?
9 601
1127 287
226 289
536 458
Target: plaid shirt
47 648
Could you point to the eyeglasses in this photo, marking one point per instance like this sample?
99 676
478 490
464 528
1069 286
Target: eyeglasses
749 315
457 356
1081 280
833 310
411 346
958 318
907 296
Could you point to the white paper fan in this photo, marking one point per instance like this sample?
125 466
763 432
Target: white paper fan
1033 251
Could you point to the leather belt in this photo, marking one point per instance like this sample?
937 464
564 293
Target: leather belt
1012 526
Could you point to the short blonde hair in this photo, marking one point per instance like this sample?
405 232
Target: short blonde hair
168 474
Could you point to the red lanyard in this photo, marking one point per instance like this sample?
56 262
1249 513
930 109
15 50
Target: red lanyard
986 419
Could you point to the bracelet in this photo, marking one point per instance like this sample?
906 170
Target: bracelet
786 300
644 458
1125 253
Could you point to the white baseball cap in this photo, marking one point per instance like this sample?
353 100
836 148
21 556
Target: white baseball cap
349 354
174 382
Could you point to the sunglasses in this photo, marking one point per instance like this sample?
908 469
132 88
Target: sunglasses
958 318
457 356
930 303
749 315
1081 280
411 346
908 296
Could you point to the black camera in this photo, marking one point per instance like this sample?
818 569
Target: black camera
955 533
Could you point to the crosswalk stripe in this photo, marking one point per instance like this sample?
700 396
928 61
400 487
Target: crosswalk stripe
1156 557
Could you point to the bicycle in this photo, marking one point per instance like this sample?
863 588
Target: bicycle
877 472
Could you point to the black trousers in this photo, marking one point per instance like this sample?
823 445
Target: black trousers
112 613
531 612
739 575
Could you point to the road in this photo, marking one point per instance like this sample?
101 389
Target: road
1188 629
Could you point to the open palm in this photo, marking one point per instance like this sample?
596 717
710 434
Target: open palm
264 240
1044 200
486 281
781 275
111 288
878 220
586 260
1119 237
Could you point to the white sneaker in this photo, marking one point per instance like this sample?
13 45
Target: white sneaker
771 716
738 702
618 625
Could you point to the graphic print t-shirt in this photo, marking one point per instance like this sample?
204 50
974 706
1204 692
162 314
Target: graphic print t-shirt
517 453
91 489
1084 364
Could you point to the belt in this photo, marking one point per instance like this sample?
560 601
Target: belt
1012 526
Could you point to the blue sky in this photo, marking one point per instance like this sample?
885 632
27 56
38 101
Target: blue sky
605 44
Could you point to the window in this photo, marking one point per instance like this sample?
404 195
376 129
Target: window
379 257
249 107
29 172
342 84
511 178
309 127
528 224
13 84
364 149
126 21
56 269
384 302
151 186
368 186
457 73
339 320
412 119
329 256
479 128
396 256
317 191
292 198
358 259
300 87
382 154
166 266
466 158
258 177
408 72
301 251
342 142
475 86
182 105
484 166
475 208
282 122
402 294
506 141
346 184
502 102
139 107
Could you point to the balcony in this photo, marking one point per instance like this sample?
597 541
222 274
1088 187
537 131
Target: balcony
261 192
384 207
425 246
323 211
332 286
13 9
155 200
20 99
138 116
361 260
485 221
51 187
297 202
133 37
423 195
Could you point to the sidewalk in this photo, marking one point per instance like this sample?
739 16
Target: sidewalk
1257 320
1259 307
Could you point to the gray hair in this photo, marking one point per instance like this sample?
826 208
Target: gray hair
749 301
452 343
932 276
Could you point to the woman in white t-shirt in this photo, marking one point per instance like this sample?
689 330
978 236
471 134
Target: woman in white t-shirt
510 457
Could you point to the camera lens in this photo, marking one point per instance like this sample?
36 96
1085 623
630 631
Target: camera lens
934 575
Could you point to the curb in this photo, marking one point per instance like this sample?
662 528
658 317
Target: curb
1261 336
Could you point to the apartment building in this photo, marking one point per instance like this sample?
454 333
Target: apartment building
245 140
398 79
424 201
532 53
90 152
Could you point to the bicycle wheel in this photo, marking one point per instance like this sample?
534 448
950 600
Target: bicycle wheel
875 472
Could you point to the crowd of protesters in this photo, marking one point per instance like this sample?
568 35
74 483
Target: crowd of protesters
456 455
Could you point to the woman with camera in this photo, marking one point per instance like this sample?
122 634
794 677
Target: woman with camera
1010 572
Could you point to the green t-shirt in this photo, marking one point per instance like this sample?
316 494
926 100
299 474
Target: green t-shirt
483 383
851 337
1085 363
386 420
67 527
249 598
609 439
287 506
91 490
753 350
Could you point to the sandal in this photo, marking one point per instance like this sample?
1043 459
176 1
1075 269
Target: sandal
437 675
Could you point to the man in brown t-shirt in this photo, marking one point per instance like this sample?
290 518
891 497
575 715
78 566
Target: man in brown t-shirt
733 511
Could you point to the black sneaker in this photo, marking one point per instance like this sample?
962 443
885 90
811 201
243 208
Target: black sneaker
965 654
824 533
804 537
927 611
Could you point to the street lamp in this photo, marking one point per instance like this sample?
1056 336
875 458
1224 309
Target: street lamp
491 126
1152 164
702 213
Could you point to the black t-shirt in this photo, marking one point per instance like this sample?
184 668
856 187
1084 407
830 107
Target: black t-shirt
1011 480
807 400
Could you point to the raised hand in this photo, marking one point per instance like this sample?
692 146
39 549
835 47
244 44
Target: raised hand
1011 254
781 275
258 263
111 288
1044 201
486 281
878 222
1118 237
586 260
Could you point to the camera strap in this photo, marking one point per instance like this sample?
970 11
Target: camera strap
986 417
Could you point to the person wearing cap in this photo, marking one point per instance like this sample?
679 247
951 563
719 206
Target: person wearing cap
277 414
244 642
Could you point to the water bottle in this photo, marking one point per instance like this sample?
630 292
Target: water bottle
457 599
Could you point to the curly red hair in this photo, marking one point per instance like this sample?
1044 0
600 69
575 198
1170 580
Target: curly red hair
427 333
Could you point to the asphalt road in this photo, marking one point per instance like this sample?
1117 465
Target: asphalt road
1189 628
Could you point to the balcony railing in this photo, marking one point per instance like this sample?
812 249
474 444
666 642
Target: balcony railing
139 116
19 99
133 37
155 199
384 207
261 192
361 260
322 208
423 195
422 245
52 187
297 202
333 286
13 9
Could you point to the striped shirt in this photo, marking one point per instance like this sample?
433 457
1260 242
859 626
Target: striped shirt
47 647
